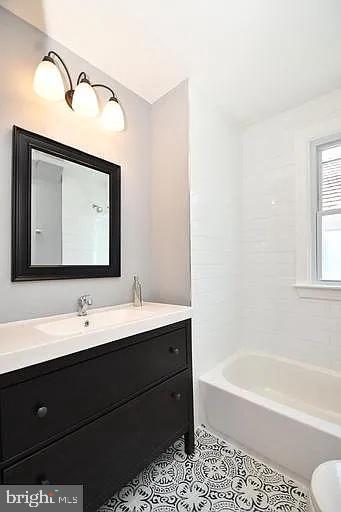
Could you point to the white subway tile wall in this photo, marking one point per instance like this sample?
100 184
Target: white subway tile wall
272 317
215 172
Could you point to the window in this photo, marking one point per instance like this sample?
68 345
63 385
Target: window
327 214
318 210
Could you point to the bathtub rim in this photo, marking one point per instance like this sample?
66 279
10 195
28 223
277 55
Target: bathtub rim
216 378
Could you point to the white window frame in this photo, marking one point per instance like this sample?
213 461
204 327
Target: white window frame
308 146
318 214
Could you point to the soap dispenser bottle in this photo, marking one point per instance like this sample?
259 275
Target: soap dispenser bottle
137 292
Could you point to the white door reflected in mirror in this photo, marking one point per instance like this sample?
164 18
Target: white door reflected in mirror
69 213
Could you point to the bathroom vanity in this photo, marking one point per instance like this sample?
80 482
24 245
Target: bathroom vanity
93 400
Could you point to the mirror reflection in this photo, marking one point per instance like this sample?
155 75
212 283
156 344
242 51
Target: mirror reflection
69 213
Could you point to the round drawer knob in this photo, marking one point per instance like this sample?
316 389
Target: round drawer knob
174 350
45 482
41 411
176 396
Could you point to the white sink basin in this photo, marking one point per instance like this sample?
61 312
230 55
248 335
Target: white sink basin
29 342
94 321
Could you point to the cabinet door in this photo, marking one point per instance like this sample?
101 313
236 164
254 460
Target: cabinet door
35 410
108 452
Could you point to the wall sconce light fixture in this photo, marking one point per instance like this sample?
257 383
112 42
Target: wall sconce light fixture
48 83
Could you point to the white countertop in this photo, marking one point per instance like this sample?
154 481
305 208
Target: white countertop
34 341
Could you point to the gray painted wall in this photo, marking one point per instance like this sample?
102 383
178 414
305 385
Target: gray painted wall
170 233
46 213
22 47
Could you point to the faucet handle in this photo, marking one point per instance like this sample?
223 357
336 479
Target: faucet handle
85 299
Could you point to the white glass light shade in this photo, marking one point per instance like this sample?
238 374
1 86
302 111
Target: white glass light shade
48 82
85 100
112 117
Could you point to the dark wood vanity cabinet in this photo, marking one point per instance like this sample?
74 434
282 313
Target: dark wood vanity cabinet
97 417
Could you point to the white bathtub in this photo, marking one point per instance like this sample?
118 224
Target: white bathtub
286 411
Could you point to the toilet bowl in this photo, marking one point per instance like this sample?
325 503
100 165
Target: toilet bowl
325 488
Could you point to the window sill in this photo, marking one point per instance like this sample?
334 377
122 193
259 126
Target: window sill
318 291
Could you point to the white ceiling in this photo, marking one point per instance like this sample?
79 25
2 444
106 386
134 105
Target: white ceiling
256 57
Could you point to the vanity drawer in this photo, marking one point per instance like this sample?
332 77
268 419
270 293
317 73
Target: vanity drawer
35 410
114 447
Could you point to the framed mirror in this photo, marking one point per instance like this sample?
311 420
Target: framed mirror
66 211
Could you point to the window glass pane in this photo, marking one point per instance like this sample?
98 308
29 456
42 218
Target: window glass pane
330 187
331 247
331 153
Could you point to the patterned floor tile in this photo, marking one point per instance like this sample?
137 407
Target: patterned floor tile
218 477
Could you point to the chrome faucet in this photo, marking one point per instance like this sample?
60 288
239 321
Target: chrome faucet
83 302
137 292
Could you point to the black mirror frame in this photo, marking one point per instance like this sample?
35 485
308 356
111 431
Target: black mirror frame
23 143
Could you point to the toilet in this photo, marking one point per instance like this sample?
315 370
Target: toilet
325 488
